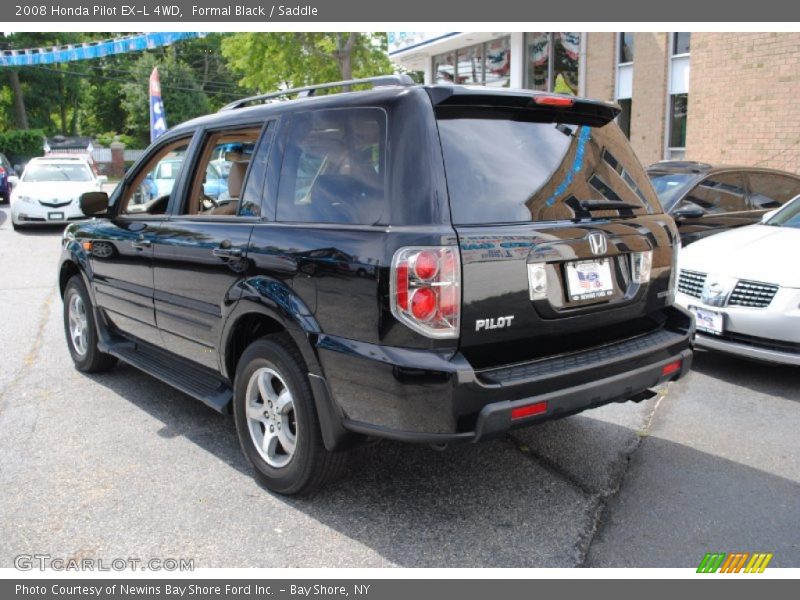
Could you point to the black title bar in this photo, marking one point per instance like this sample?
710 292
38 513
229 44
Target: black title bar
440 11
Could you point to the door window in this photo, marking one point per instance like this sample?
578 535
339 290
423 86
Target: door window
718 194
768 191
217 185
150 190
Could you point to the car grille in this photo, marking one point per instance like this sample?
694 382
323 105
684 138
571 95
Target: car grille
753 294
691 283
55 203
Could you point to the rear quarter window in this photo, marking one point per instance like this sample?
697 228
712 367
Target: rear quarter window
334 167
768 190
510 171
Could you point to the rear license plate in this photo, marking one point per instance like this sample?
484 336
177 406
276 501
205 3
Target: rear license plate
589 279
55 216
708 321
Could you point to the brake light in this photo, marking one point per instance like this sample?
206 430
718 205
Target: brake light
2 171
553 100
425 292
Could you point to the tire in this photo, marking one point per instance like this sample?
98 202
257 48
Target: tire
81 330
273 366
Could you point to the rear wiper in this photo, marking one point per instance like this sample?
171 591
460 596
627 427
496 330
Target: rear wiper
583 208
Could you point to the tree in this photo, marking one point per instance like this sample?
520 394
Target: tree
180 91
216 79
47 96
271 61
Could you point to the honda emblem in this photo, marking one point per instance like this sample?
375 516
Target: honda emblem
597 243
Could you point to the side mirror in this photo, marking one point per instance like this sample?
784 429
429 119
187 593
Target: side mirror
102 178
768 215
688 212
13 180
94 203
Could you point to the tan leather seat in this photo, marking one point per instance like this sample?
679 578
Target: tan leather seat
235 182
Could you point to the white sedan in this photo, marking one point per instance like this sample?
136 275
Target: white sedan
743 287
49 191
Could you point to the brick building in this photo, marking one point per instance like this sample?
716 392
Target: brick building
715 97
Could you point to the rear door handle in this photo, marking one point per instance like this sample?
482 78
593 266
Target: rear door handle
227 252
141 244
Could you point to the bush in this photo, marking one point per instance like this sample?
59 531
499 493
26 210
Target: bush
20 145
105 139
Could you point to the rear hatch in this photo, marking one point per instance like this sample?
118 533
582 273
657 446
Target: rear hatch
556 221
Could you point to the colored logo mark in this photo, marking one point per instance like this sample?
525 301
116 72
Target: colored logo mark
735 562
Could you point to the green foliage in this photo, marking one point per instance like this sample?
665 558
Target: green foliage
106 139
214 76
270 61
182 96
53 93
21 144
109 96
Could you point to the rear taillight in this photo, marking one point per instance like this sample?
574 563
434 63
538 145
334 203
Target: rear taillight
426 290
2 171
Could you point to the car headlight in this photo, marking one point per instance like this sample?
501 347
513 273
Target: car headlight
26 199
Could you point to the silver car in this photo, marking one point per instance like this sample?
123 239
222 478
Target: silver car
743 287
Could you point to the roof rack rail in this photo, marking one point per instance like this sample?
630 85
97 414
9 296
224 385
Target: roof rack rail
310 90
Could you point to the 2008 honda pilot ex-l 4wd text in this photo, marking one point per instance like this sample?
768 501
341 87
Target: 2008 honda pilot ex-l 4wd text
423 263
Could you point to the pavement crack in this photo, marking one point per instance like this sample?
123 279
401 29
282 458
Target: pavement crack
604 499
550 466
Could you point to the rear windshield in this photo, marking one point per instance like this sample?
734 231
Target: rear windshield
670 187
510 171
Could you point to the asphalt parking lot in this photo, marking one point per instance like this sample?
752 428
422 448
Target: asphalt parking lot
121 465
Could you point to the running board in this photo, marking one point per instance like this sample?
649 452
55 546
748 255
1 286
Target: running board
183 375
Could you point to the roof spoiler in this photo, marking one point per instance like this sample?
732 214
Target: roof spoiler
460 99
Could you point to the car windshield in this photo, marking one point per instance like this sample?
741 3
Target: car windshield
56 172
788 216
670 187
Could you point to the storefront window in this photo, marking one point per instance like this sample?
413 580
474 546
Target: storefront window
444 68
497 67
567 50
538 56
553 61
482 64
470 65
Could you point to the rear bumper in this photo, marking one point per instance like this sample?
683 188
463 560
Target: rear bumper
422 396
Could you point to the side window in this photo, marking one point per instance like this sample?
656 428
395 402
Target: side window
219 174
150 190
718 194
334 167
768 191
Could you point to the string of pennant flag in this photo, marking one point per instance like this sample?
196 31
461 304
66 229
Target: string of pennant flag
49 55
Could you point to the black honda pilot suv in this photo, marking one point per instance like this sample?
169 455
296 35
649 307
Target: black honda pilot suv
429 264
